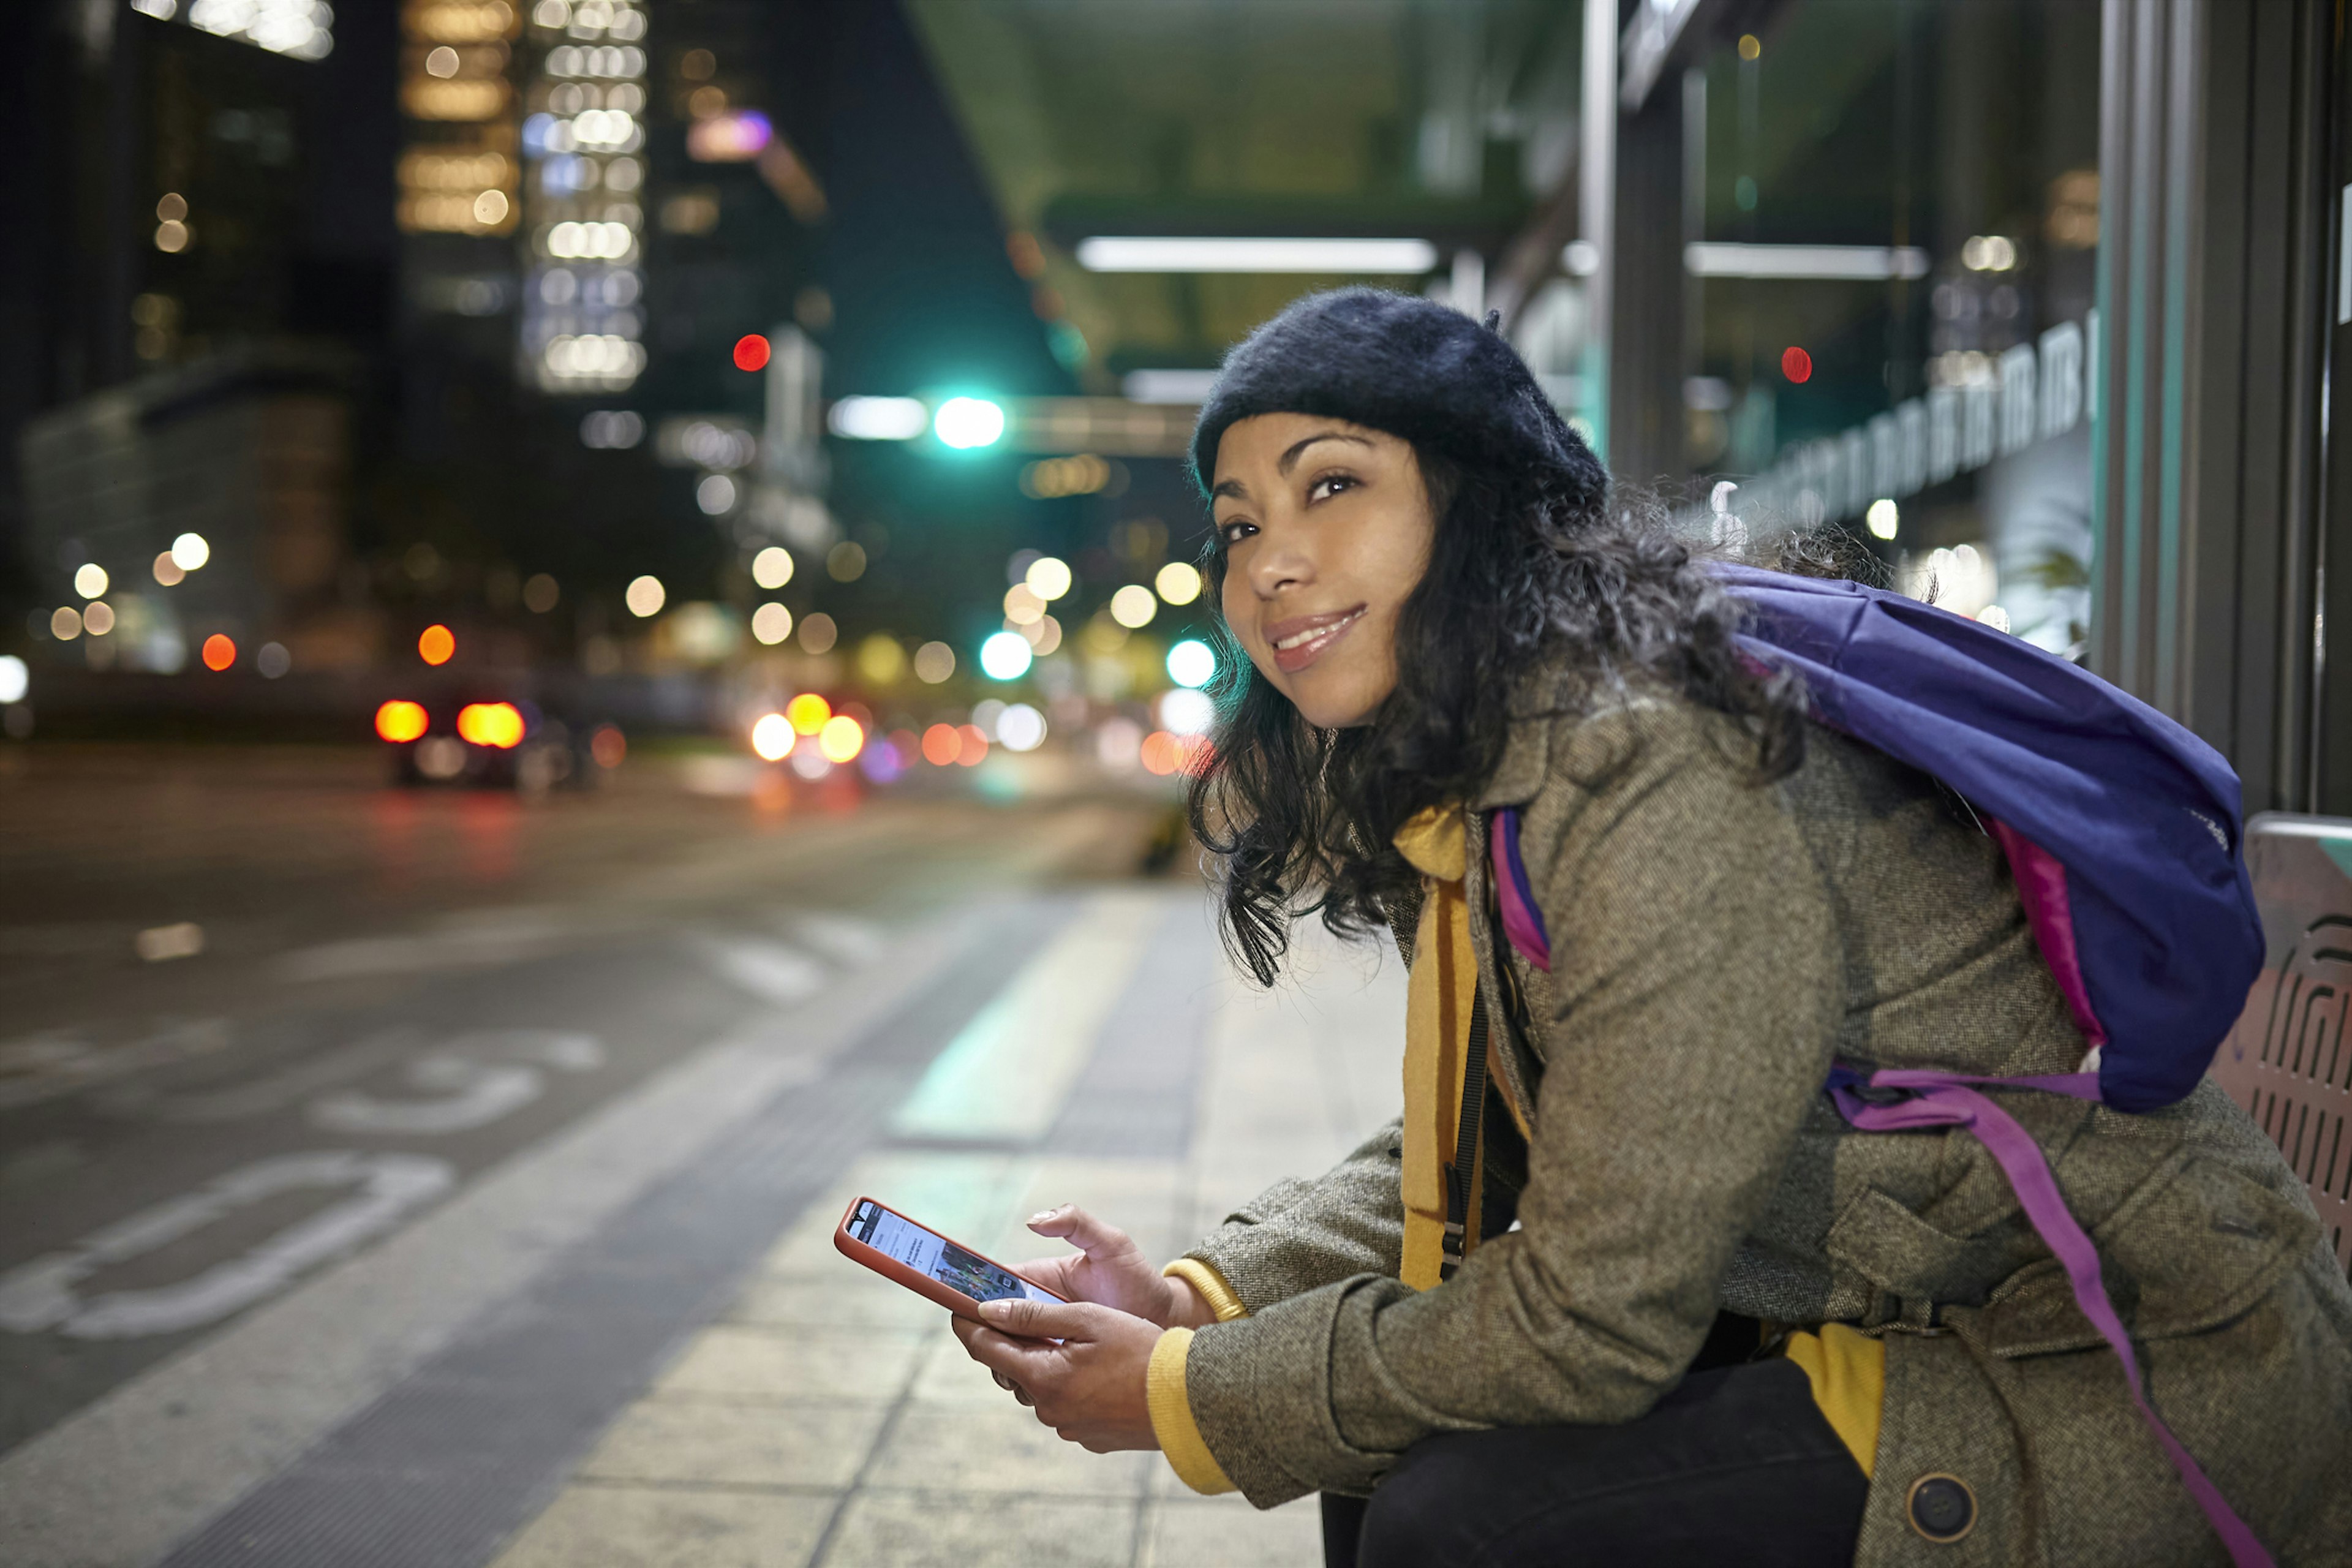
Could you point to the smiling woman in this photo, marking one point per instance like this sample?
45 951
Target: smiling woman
1647 905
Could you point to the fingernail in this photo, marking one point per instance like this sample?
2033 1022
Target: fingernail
1042 1215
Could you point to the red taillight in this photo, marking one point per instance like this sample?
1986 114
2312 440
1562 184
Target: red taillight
498 724
400 721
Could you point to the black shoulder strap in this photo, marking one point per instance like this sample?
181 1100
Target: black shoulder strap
1463 1173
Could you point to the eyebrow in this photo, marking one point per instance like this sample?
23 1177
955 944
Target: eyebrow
1288 461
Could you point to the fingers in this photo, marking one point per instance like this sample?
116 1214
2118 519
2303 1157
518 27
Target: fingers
1042 1320
1082 1230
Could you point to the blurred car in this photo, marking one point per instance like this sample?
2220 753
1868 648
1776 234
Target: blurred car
486 740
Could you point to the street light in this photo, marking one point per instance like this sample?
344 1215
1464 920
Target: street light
965 423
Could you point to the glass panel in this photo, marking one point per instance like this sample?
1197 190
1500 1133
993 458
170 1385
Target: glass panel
1891 300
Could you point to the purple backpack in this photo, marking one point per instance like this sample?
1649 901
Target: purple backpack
2124 832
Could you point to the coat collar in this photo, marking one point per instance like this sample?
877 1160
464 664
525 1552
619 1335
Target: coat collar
1535 710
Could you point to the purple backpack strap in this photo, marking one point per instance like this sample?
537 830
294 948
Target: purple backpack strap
1945 1100
1523 923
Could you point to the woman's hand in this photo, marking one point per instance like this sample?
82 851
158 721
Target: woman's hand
1090 1386
1110 1270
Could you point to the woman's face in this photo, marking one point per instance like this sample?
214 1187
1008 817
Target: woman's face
1326 527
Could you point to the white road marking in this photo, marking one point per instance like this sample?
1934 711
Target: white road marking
471 1092
114 1484
767 970
42 1294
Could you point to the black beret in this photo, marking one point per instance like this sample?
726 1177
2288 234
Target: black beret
1410 366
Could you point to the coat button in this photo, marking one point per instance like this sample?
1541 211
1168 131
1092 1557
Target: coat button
1942 1508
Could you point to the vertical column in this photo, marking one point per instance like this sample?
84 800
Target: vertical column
2205 390
1597 198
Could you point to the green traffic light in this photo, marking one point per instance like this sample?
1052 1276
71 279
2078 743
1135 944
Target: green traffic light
965 423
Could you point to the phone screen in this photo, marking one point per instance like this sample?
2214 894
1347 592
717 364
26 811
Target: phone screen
928 1252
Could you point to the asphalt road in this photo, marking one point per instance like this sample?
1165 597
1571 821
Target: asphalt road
404 997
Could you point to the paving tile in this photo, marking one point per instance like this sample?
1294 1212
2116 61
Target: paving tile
722 1443
950 1376
636 1527
844 1297
979 1448
968 1530
794 1363
1195 1531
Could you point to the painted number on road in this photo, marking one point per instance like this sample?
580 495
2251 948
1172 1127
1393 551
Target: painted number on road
45 1293
466 1090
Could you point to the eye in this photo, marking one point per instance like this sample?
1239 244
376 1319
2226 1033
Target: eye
1330 484
1233 530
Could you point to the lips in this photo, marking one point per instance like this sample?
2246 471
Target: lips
1298 641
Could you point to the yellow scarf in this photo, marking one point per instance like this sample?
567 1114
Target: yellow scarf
1444 978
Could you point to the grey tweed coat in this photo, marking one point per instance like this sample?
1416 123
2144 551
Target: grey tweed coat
1716 943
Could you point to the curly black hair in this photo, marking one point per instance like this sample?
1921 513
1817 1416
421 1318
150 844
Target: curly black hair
1525 569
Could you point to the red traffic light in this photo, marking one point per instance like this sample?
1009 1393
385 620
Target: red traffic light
1797 364
751 351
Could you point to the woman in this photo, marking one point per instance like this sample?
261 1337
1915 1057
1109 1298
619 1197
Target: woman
1725 1325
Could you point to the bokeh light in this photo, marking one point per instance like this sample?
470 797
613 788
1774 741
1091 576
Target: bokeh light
220 652
772 623
608 746
272 659
934 662
97 618
1884 519
1005 656
881 661
772 567
1185 711
965 423
65 623
715 494
437 643
818 633
1023 606
808 713
1796 365
645 596
1021 728
1158 752
540 592
1178 582
495 725
1048 577
400 721
13 678
1118 743
168 572
90 580
773 738
751 352
971 746
940 743
1133 606
840 739
1191 663
189 552
880 762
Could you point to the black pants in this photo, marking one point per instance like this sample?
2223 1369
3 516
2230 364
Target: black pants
1736 1465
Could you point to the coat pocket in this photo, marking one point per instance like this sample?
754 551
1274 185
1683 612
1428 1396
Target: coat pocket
2194 1246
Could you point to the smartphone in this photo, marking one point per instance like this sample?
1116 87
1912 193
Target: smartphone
926 1262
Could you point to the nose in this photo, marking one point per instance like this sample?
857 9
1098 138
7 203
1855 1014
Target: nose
1277 564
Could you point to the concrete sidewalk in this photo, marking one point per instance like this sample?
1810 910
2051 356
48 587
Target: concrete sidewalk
826 1417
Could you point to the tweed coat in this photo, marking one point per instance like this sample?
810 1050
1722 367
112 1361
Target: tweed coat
1717 943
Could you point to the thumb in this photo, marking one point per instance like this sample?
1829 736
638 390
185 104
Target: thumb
1082 1230
1038 1320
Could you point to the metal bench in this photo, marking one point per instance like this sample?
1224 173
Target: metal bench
2287 1061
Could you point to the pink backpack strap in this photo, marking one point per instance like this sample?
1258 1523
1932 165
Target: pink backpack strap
1946 1099
1523 922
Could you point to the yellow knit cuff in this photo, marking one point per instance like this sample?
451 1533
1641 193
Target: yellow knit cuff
1210 1285
1171 1416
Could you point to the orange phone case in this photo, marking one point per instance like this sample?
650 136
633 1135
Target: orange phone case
923 1285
